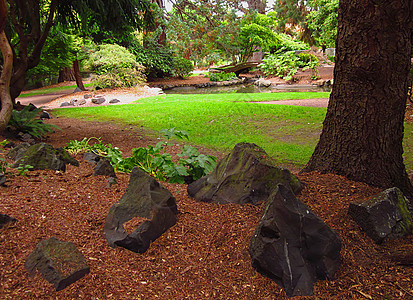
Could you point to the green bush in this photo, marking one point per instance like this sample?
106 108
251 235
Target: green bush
110 57
222 76
26 121
286 63
182 67
121 77
287 43
157 60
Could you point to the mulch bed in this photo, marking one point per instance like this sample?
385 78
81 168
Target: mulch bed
204 256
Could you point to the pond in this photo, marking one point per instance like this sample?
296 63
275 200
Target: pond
247 88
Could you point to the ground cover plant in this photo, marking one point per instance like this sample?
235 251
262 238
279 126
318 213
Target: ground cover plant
156 161
288 133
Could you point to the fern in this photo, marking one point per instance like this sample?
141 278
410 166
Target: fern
26 121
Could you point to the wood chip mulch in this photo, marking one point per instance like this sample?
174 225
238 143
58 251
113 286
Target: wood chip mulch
204 256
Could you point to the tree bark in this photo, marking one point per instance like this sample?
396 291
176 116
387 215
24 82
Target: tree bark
363 129
25 61
3 14
66 74
78 76
6 103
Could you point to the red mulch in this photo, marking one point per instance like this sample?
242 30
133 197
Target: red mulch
204 256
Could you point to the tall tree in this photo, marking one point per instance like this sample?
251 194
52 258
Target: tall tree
5 76
292 16
363 129
29 28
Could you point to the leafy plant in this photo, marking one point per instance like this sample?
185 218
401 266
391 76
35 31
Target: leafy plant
182 67
157 60
222 76
119 77
23 168
155 160
109 57
286 63
112 153
26 121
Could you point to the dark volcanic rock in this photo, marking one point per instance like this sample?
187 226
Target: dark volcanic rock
58 262
43 156
17 152
5 219
114 101
246 175
147 199
103 167
386 216
292 246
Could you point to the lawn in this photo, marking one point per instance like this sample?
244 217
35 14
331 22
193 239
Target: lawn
219 121
287 133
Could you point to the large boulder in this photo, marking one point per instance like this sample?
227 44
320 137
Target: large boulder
292 246
60 263
147 201
385 216
43 156
246 175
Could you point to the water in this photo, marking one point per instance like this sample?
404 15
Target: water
247 88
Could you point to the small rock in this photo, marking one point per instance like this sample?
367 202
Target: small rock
111 181
87 96
5 219
60 263
77 90
113 101
2 179
98 100
45 115
103 167
385 216
79 102
65 104
262 82
91 157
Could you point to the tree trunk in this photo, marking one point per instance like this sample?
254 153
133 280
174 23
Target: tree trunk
66 74
259 6
5 99
3 14
363 129
78 76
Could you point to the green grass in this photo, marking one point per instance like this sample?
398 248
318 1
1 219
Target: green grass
219 121
49 90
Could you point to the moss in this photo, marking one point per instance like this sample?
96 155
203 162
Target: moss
407 223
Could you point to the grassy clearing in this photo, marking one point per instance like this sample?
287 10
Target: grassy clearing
287 133
49 90
219 121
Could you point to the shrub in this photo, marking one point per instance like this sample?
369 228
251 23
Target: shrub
182 67
222 76
121 77
286 43
110 57
157 60
26 121
286 63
